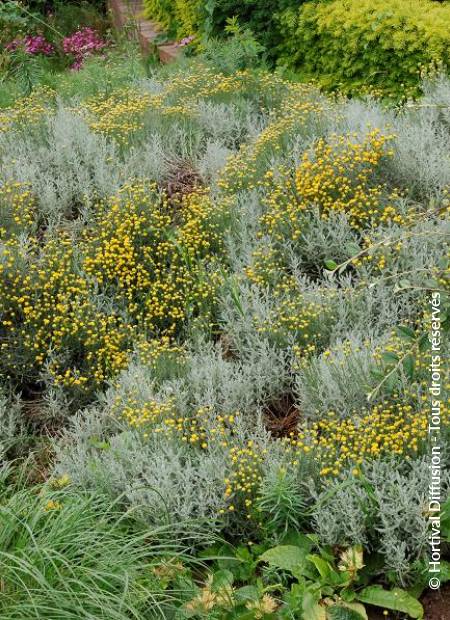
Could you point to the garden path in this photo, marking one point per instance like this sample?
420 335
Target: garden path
131 13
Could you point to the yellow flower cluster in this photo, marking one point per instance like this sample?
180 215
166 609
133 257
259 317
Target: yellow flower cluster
17 210
162 352
27 110
244 475
293 316
134 244
46 307
118 116
121 115
391 429
158 272
335 176
250 167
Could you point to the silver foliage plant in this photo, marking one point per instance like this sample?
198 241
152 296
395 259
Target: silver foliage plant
386 509
67 164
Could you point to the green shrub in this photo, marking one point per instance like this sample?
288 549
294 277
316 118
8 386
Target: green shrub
180 18
261 16
359 44
186 17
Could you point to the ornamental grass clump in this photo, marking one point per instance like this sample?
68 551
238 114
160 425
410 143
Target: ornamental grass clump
65 554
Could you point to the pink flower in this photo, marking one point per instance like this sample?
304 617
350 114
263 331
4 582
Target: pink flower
32 45
81 44
185 41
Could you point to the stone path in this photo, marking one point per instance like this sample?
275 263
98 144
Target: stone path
131 12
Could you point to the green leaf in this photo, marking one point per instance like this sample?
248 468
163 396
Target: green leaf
391 382
445 520
352 249
424 343
311 608
346 612
222 579
285 557
389 358
408 366
405 332
330 265
395 599
358 608
324 568
304 541
247 593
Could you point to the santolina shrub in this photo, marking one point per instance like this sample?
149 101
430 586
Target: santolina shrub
359 44
211 329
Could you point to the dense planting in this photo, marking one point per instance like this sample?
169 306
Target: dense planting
222 295
217 287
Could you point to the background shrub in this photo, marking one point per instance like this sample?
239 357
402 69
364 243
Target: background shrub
179 17
185 17
358 44
258 15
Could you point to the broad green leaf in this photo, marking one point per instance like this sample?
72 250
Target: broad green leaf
346 612
247 593
311 608
424 343
405 332
408 366
391 381
358 607
285 557
445 520
322 566
389 357
395 599
297 539
222 579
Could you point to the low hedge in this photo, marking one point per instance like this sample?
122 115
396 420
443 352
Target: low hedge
353 45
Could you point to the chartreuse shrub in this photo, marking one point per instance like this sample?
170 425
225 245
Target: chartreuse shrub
353 45
179 17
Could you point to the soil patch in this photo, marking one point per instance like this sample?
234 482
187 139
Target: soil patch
437 603
281 417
